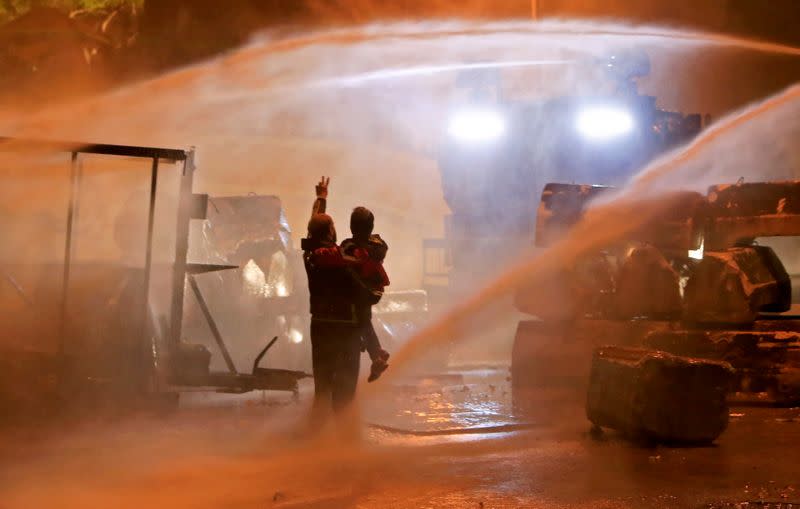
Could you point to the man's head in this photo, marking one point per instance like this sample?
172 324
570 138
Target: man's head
361 223
321 229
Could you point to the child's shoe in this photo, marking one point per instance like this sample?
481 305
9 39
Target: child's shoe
379 365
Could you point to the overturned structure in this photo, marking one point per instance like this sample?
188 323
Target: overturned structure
103 325
262 296
691 282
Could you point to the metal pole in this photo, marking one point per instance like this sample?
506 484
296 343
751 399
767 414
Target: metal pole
151 215
181 249
148 257
213 325
75 182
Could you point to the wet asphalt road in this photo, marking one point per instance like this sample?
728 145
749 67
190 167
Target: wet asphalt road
426 445
555 461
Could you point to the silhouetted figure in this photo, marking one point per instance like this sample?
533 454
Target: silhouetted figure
370 250
335 334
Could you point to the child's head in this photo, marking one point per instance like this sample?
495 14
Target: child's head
361 223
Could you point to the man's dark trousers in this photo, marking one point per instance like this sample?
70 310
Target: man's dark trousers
335 356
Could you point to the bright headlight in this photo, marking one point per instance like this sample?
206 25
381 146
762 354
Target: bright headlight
602 123
477 125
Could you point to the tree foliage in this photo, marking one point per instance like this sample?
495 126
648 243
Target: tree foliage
10 9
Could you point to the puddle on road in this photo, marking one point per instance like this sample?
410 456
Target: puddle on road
466 402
